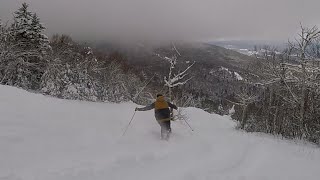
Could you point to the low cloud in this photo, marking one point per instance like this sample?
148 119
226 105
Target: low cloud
163 20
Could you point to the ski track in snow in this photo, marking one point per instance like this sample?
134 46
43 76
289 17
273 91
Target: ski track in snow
44 138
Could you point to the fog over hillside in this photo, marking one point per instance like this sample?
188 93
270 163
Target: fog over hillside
168 20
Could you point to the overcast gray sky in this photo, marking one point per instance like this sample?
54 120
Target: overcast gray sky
172 19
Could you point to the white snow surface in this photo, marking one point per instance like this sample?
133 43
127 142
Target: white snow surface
43 138
225 69
238 76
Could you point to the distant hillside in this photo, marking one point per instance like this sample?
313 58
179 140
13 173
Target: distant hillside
218 72
250 47
202 53
247 44
211 56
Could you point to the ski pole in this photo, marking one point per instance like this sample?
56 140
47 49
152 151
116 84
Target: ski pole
129 123
188 125
144 87
134 99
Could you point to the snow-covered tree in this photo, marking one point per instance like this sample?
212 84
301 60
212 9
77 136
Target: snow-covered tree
28 33
288 91
6 52
29 50
308 74
74 72
2 36
1 26
38 38
21 28
175 77
68 73
2 47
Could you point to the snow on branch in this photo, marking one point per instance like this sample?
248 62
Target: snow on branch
173 79
174 47
306 37
176 79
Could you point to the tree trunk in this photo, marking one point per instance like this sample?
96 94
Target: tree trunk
274 128
243 119
270 115
303 98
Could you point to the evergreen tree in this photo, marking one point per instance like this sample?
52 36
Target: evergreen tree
5 50
30 49
39 40
20 29
27 31
2 46
1 34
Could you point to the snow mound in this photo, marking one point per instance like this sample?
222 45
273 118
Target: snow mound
49 139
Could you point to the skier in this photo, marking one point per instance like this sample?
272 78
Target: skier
162 114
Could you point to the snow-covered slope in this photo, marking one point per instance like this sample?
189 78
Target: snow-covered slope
51 139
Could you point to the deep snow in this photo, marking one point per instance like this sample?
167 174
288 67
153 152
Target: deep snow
44 138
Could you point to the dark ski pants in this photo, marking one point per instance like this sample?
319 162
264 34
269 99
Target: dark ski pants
165 128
